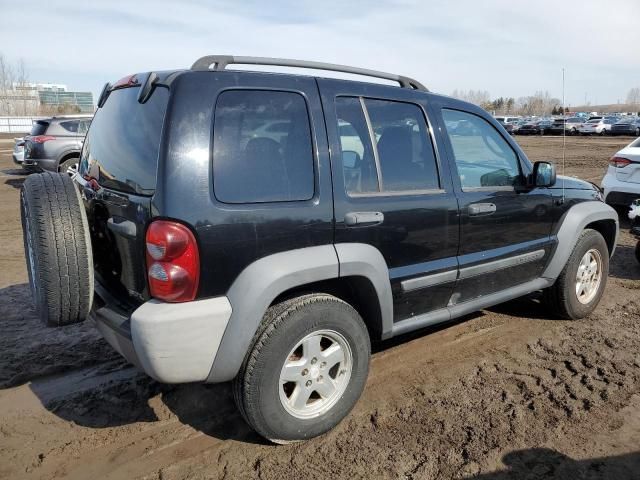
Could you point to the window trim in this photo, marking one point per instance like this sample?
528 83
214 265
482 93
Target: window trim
429 135
502 188
312 135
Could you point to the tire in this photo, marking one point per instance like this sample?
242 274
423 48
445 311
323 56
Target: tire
268 405
562 297
57 248
67 164
638 251
637 132
603 132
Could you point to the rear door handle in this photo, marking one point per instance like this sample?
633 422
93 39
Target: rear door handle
362 219
476 209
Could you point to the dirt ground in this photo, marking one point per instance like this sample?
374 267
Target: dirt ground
505 393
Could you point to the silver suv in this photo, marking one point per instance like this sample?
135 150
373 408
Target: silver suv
54 143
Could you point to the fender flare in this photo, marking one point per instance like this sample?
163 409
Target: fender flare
66 153
260 283
572 224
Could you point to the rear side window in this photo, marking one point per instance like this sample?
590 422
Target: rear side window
392 152
71 126
122 145
39 128
262 148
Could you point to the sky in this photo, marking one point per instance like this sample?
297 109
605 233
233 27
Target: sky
509 48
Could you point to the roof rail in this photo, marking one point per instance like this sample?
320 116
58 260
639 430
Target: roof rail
221 61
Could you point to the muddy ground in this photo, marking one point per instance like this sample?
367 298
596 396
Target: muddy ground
505 393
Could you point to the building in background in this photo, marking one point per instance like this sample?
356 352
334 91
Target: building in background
44 99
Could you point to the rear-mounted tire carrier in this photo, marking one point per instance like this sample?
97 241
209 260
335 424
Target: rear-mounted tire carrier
57 248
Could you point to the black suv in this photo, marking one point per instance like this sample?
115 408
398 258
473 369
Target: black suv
265 228
54 143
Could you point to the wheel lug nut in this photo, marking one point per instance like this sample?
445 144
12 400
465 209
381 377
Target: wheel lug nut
320 378
314 360
323 364
308 384
304 372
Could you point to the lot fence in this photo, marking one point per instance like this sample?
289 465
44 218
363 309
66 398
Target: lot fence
16 124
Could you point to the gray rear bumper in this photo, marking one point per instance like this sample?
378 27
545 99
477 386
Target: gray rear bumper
171 342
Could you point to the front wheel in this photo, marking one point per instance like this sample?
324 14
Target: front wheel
306 369
581 283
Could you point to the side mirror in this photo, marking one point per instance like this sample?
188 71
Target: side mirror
543 175
350 158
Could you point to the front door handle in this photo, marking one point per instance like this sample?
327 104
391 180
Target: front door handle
362 219
476 209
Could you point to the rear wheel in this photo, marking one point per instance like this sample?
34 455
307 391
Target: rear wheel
57 248
578 289
638 132
69 166
306 369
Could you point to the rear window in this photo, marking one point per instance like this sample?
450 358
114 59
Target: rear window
122 145
39 127
262 149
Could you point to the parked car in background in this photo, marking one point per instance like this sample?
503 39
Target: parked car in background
54 143
596 126
508 126
517 125
573 124
506 119
535 127
557 127
621 182
18 151
626 126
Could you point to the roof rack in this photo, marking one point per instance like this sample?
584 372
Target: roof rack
221 61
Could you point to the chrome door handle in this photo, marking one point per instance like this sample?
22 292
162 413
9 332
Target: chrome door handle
361 219
482 209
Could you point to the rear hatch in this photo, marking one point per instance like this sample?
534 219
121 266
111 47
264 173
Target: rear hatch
33 149
119 161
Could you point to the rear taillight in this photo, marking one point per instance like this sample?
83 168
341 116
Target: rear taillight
173 263
42 138
619 162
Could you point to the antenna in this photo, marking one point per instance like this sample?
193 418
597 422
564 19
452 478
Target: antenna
564 134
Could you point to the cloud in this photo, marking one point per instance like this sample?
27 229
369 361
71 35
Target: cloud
508 48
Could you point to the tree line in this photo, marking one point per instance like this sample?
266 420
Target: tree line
540 103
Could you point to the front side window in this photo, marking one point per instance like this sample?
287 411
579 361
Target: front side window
262 148
483 157
385 146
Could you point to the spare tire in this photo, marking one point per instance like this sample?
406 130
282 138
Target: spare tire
57 248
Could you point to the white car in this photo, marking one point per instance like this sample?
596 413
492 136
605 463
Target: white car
621 183
18 151
597 126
